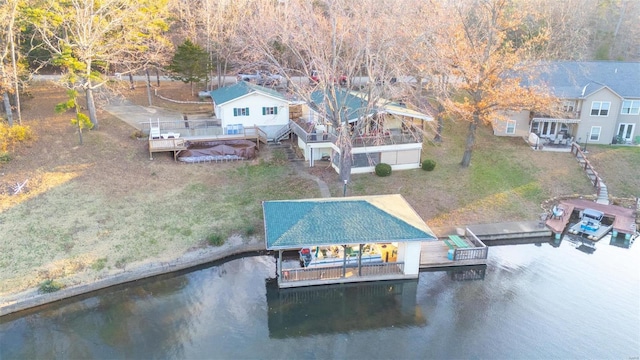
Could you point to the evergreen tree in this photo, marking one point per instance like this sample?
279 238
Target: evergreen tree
190 64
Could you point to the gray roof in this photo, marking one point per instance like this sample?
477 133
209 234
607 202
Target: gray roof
293 224
228 93
578 79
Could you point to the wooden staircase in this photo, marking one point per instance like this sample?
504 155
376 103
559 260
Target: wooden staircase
596 180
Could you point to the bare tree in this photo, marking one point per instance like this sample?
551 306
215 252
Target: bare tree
9 82
484 47
87 37
335 39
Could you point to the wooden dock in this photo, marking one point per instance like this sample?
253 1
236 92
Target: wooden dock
558 224
433 254
623 218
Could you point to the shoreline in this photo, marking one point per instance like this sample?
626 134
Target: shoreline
235 246
31 298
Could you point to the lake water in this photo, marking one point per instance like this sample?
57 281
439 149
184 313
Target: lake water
532 301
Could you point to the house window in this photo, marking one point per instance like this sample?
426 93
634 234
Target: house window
595 133
630 107
568 105
511 126
270 110
600 108
365 160
240 111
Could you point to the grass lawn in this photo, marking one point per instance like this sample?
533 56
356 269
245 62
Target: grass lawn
97 209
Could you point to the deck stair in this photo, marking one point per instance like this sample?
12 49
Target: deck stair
283 133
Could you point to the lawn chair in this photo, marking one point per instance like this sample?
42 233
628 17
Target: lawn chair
154 132
557 212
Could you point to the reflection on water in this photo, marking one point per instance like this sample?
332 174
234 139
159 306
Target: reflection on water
342 308
531 301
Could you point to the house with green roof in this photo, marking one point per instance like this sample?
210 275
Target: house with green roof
382 132
374 222
245 104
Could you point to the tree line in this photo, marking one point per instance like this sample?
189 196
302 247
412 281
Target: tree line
460 54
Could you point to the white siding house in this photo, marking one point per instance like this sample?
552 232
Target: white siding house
245 104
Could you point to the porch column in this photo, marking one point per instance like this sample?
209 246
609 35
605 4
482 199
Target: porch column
344 261
360 260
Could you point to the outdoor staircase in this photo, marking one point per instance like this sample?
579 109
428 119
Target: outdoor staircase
603 193
283 133
286 148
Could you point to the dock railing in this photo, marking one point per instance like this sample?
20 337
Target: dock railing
338 272
478 251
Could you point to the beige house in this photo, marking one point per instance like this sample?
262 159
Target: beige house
599 102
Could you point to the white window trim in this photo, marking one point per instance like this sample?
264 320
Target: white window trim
599 108
513 129
569 105
591 133
631 107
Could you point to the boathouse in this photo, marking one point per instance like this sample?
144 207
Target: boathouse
352 226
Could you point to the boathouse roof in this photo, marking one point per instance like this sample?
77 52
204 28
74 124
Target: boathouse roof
293 224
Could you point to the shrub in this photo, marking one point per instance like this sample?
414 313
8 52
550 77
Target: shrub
428 165
99 264
49 286
383 169
9 136
5 157
138 134
215 239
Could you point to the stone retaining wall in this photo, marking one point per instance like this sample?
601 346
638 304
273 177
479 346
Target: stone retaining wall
189 260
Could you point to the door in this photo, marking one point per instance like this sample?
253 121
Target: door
625 132
548 129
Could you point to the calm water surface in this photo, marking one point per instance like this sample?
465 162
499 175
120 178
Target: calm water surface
530 302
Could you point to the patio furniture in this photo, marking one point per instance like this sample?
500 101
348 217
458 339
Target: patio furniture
557 212
556 141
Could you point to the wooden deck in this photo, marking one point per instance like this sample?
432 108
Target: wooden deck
433 254
159 144
557 225
624 219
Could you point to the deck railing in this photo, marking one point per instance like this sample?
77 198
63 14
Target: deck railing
338 272
184 127
313 137
389 138
587 167
478 251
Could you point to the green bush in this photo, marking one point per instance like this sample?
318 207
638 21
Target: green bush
49 286
383 169
428 165
215 239
5 157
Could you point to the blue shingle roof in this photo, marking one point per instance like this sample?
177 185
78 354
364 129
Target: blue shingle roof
228 93
299 223
578 79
